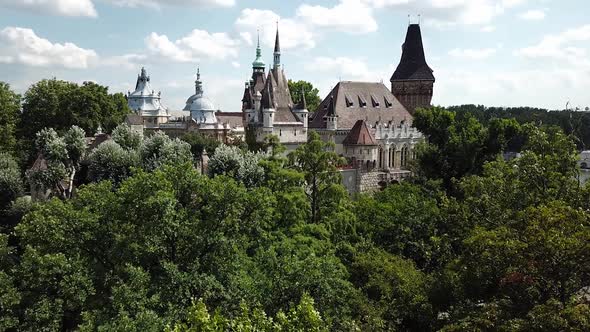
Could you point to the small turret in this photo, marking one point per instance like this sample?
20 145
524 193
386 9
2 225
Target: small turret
331 116
301 111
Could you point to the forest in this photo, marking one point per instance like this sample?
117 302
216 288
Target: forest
140 240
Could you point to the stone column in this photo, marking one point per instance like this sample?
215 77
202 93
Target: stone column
386 155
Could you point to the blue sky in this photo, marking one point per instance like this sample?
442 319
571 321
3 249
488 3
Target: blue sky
492 52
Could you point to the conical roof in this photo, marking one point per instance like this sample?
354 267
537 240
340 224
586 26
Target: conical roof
413 64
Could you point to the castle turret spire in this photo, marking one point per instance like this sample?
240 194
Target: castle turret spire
277 51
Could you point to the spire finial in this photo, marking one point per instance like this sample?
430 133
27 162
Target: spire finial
198 83
198 73
277 52
258 36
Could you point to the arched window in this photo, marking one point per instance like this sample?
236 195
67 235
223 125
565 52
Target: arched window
404 156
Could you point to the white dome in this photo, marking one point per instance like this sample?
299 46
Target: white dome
201 103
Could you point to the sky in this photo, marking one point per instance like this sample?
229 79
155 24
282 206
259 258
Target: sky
490 52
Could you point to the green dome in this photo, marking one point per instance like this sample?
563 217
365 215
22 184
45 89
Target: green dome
258 63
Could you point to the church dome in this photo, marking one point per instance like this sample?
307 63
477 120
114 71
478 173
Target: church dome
201 103
201 108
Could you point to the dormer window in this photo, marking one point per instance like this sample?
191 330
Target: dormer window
388 103
349 102
362 101
374 100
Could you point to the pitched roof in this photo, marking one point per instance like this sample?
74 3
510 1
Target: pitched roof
234 119
276 95
413 64
360 135
347 108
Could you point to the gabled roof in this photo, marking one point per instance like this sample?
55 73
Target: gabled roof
276 95
389 108
360 135
234 119
413 64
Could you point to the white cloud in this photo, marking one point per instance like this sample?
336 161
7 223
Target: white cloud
344 68
294 33
157 4
21 45
517 88
450 12
53 7
127 61
474 54
565 46
488 28
198 44
533 15
352 16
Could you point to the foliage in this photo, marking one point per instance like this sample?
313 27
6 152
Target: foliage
458 145
303 317
312 96
159 149
9 117
60 105
62 156
319 164
200 142
126 137
243 166
109 161
11 183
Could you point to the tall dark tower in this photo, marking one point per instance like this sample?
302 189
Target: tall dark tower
413 81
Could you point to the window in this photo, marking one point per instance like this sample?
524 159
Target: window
388 103
374 101
362 101
349 102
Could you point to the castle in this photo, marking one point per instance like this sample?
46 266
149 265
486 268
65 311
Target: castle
369 124
267 104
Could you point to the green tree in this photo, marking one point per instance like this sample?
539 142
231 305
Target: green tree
126 137
319 163
311 94
9 117
159 149
243 166
59 105
109 161
11 183
200 142
63 155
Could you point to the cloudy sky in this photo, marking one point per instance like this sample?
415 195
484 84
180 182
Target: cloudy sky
492 52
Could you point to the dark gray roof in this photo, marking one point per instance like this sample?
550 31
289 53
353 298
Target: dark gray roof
276 95
412 65
277 44
347 105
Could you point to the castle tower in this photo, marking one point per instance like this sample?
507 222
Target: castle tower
412 82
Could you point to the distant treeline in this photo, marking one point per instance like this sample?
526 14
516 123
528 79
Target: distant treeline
574 123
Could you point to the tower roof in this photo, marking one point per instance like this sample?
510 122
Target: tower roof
360 135
277 43
413 64
258 62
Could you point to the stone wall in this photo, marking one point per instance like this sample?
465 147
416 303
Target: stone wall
358 181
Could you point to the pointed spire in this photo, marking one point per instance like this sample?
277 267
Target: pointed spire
277 43
303 105
198 83
277 52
